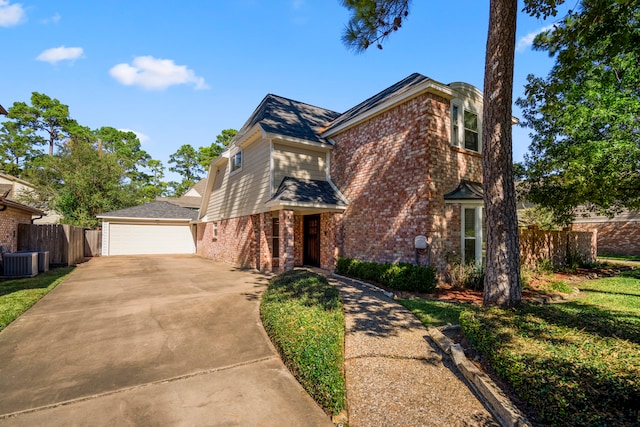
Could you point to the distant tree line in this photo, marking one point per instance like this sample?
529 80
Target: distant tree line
81 172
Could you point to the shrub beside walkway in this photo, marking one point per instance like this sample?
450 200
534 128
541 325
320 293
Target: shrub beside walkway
394 375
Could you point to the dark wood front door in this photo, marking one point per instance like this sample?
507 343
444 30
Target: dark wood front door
312 240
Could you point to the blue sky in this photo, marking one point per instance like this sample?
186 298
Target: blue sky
179 72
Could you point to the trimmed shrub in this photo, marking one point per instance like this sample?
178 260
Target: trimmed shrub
401 277
302 314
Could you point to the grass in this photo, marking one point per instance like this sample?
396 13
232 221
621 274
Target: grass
619 257
303 316
575 363
435 313
18 295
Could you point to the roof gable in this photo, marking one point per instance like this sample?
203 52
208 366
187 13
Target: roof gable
288 118
307 191
406 88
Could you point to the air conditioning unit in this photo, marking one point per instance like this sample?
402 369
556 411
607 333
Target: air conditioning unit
43 261
20 264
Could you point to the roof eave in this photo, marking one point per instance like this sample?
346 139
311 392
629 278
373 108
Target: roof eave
283 204
289 140
134 218
428 86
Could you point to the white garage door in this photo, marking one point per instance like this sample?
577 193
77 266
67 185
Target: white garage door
137 239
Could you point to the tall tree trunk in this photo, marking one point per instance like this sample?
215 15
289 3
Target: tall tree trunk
502 266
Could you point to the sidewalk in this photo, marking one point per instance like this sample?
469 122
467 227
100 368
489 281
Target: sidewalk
395 375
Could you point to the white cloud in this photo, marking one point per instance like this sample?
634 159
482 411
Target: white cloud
11 14
141 136
526 41
56 54
154 73
53 20
297 4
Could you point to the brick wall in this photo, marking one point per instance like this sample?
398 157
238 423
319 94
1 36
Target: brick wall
395 170
9 220
615 237
235 243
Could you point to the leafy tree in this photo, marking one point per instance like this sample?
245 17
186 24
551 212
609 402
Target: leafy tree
17 151
45 121
372 22
128 150
186 163
155 186
193 164
585 114
207 154
80 181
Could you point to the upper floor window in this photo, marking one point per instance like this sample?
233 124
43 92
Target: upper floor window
464 128
471 131
236 161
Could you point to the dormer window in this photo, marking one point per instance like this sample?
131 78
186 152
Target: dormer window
465 128
236 161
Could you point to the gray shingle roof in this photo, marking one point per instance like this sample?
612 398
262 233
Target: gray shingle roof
287 117
307 191
200 186
466 190
396 89
191 202
153 210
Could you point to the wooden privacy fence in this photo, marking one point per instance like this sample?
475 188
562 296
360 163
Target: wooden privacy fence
65 243
557 246
92 243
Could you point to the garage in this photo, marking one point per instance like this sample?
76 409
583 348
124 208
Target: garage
149 229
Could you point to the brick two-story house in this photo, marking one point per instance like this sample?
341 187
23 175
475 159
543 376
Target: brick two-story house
302 185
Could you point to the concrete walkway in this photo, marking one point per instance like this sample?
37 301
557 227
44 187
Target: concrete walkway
394 375
149 341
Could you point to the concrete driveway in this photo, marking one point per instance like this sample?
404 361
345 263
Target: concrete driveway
157 340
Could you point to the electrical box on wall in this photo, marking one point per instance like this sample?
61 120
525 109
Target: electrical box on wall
420 242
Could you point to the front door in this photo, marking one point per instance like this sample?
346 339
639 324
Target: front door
312 240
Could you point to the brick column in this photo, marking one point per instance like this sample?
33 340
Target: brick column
287 236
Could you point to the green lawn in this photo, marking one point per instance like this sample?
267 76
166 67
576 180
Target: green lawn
575 363
619 257
16 296
303 316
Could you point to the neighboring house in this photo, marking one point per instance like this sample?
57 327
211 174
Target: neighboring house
152 228
191 199
619 235
303 185
3 111
15 188
13 213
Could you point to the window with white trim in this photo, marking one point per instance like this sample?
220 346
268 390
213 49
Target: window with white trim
473 247
471 139
465 128
236 161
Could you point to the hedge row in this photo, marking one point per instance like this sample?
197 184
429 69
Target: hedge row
402 277
302 314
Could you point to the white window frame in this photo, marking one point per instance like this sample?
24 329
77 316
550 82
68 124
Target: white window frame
479 232
457 138
233 168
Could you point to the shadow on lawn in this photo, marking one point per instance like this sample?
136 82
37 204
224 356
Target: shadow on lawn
589 318
41 281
